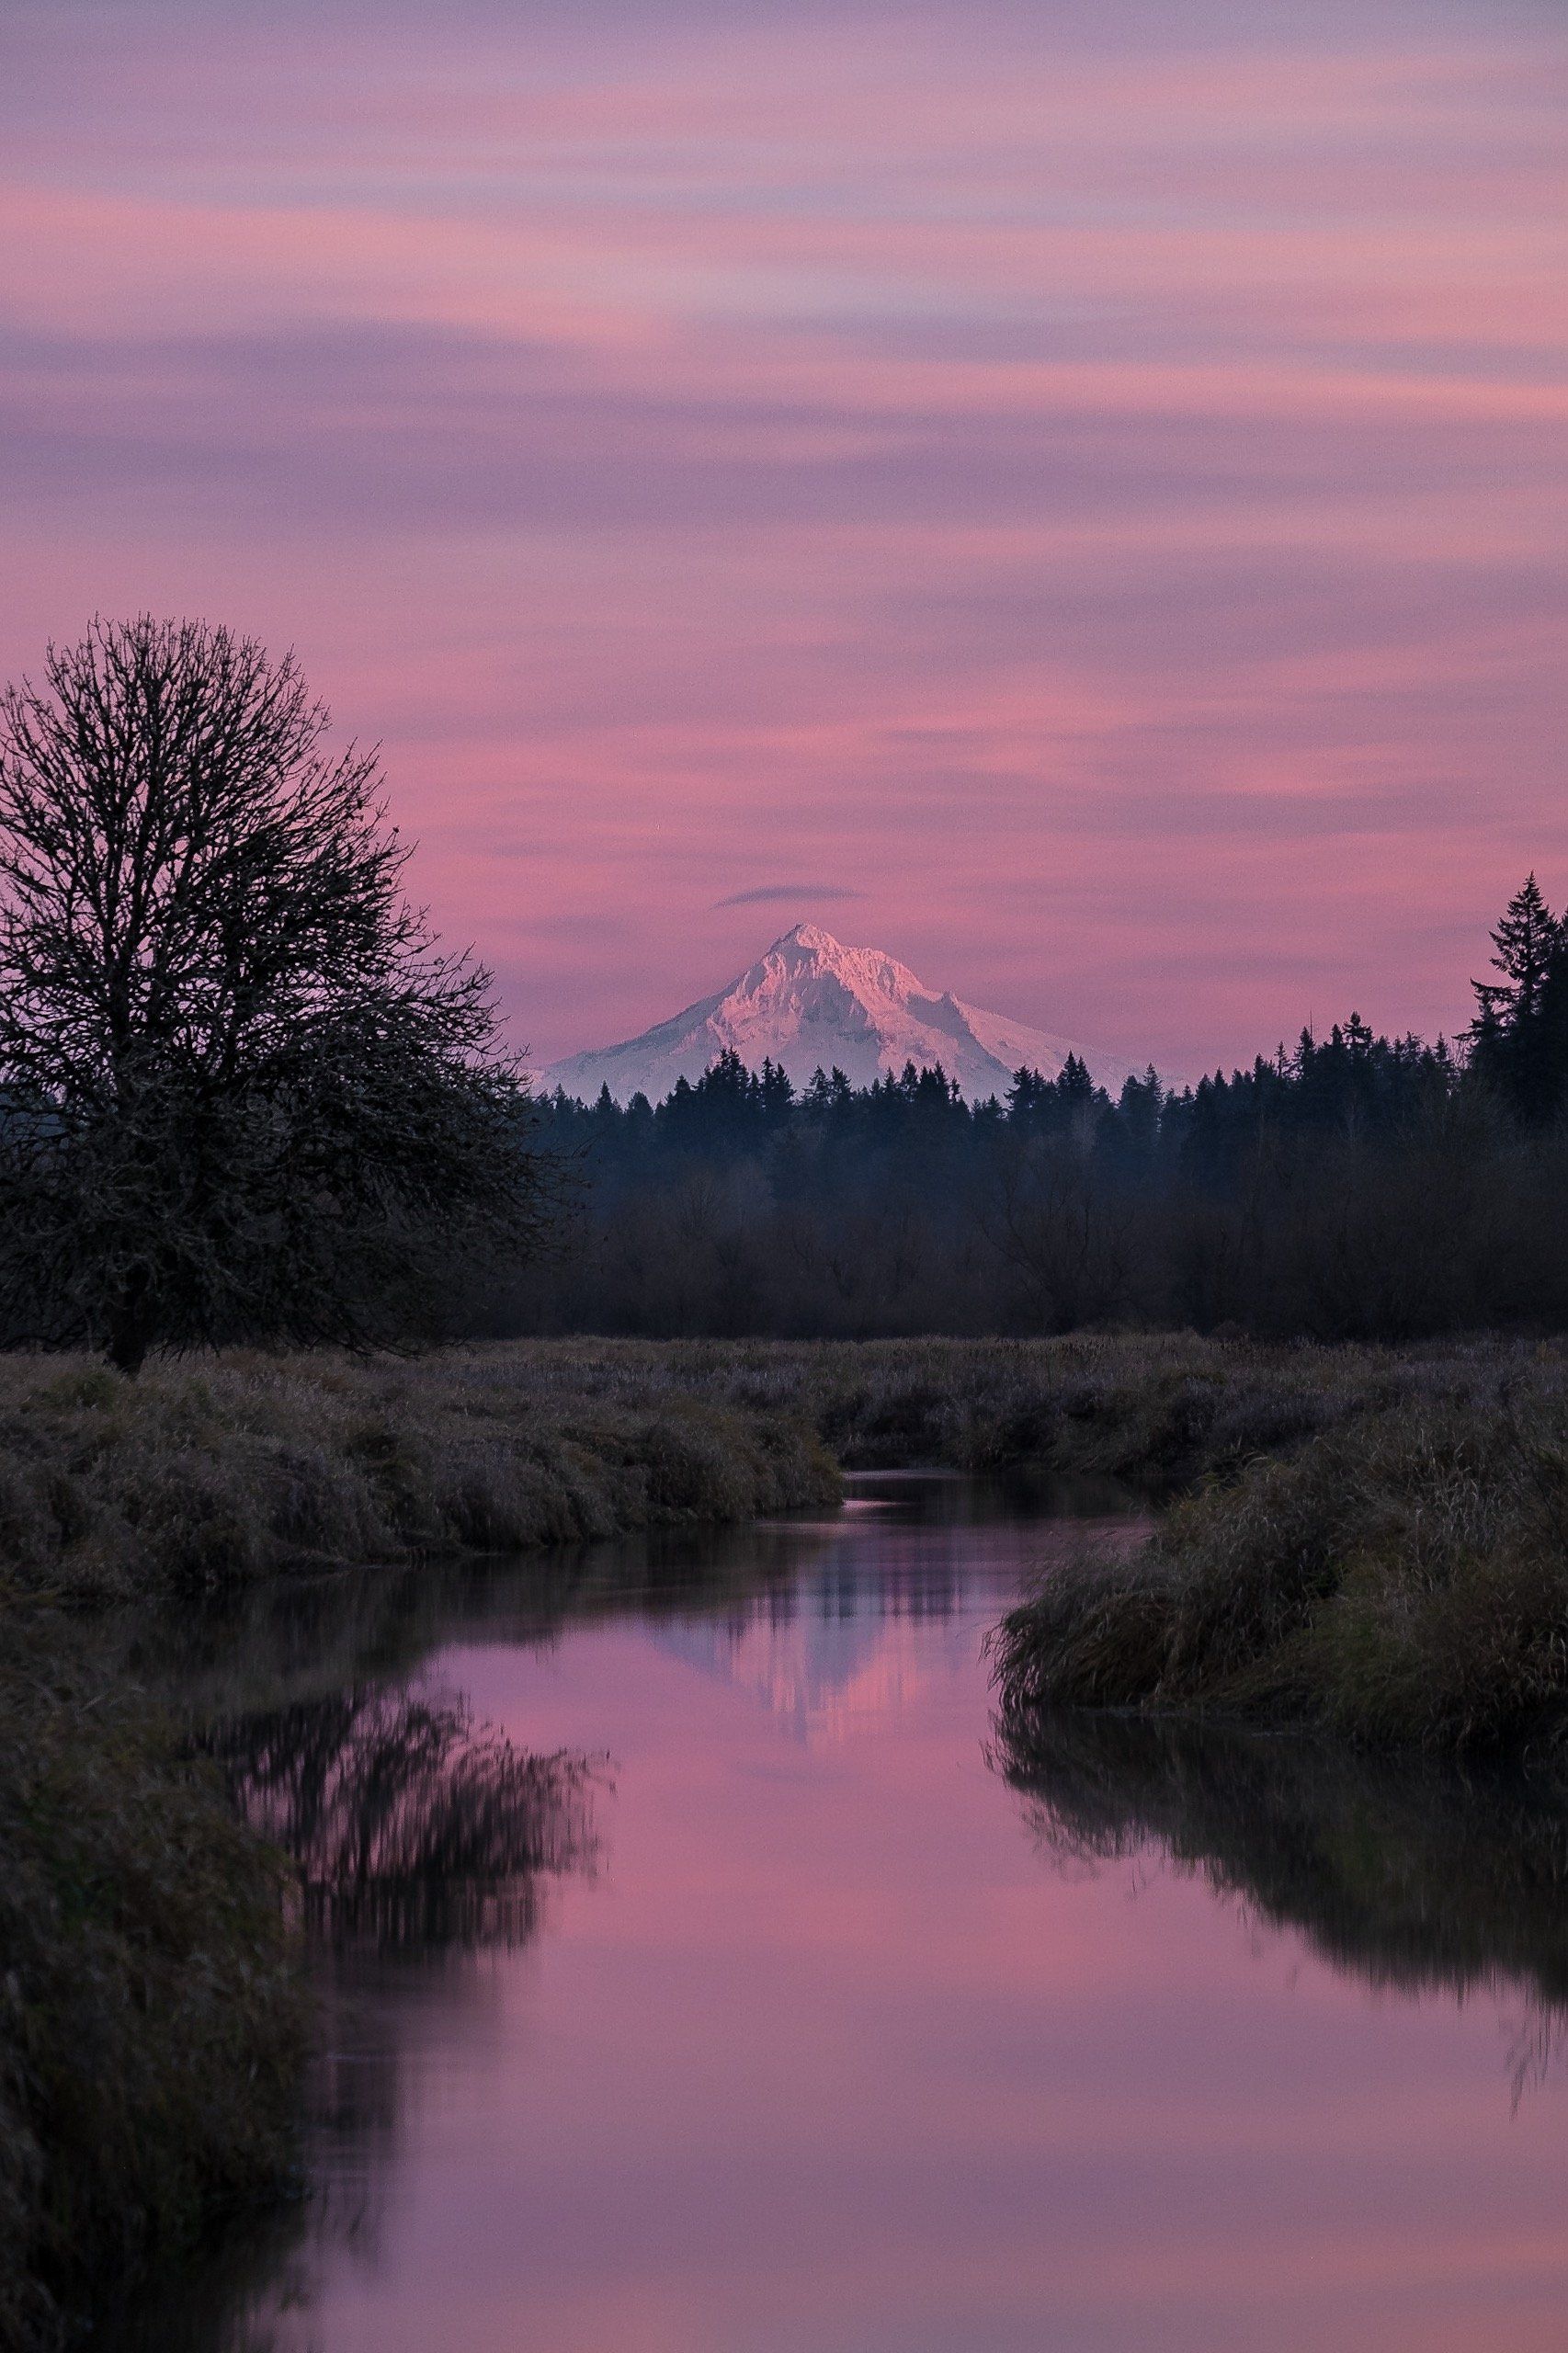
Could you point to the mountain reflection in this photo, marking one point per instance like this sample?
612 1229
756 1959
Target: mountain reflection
1413 1876
845 1642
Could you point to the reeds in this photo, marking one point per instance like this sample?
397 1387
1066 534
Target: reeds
1401 1580
211 1475
218 1469
151 2018
152 2022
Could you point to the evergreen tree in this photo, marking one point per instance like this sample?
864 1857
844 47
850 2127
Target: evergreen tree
1526 942
1519 1038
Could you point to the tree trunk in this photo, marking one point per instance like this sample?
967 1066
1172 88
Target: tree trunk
129 1333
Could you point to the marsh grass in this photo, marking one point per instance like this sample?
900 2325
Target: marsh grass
152 2011
213 1472
1161 1409
152 2022
245 1465
1400 1580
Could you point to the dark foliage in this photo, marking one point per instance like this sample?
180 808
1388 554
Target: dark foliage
1400 1581
246 1094
1520 1035
151 2023
1357 1186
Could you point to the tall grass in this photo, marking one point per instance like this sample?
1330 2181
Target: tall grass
150 2020
1402 1581
216 1472
1158 1407
249 1465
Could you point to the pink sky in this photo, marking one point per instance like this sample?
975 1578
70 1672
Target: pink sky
1079 505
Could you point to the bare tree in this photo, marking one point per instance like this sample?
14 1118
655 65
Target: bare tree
243 1093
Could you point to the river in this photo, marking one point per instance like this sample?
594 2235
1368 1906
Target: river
700 1975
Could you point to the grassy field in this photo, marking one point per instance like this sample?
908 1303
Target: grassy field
226 1468
1155 1409
243 1466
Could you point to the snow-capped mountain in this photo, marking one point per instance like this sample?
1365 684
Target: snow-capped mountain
811 1003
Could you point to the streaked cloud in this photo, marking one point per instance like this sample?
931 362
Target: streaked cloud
787 893
1093 477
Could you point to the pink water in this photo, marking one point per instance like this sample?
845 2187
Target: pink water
821 2050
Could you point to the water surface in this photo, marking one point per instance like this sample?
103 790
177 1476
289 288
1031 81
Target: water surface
702 1978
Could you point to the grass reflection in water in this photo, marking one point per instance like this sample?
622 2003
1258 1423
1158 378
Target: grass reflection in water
1416 1875
410 1826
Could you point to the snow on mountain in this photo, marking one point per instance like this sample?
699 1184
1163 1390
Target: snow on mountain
811 1003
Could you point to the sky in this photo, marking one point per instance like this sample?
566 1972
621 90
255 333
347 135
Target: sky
1074 495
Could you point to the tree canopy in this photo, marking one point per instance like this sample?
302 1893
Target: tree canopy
243 1092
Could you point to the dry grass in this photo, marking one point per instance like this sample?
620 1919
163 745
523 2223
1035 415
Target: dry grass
231 1468
1401 1580
249 1465
1158 1408
151 2020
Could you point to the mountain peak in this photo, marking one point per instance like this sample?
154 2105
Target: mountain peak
809 937
810 1002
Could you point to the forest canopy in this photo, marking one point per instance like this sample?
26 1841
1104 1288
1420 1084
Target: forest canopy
1354 1185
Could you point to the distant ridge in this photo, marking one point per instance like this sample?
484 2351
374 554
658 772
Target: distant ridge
811 1002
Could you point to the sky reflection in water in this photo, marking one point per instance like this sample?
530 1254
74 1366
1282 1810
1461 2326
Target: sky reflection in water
796 2027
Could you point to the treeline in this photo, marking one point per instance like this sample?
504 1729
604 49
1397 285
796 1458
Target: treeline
1358 1186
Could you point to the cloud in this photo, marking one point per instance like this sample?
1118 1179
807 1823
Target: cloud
1109 492
769 893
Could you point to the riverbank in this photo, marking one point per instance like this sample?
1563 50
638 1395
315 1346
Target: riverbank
245 1466
153 2016
219 1471
1400 1581
153 2024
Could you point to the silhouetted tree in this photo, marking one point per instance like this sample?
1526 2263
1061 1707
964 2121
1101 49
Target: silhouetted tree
1520 1036
1526 942
241 1091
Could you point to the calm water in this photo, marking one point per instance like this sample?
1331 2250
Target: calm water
701 1980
